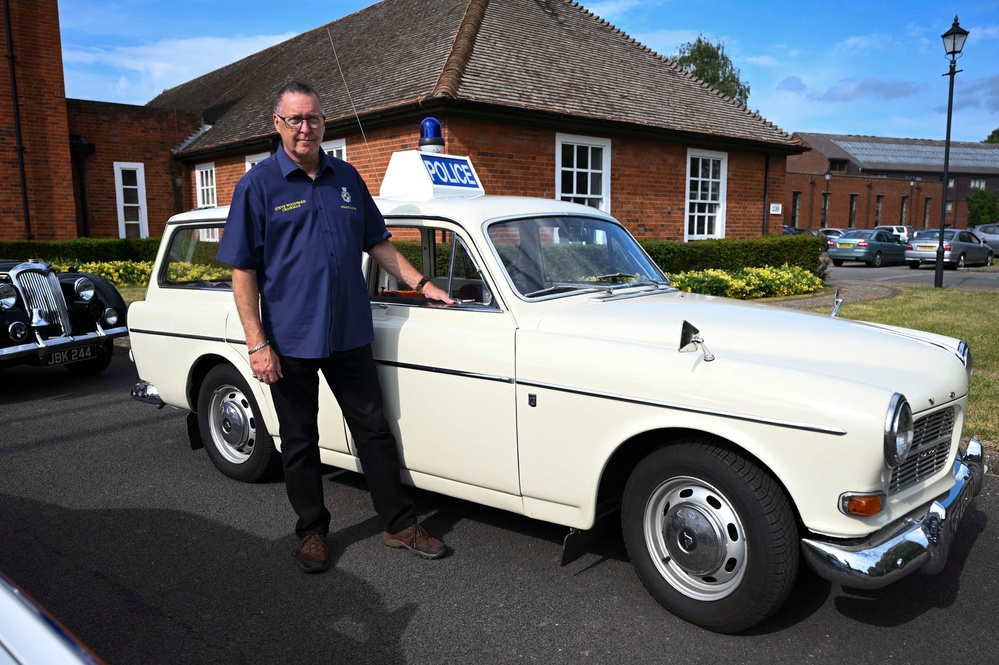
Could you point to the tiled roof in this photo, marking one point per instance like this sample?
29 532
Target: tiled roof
551 57
879 153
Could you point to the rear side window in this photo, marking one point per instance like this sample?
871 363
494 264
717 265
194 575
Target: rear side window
191 259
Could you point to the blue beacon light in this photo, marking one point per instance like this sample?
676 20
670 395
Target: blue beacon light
431 135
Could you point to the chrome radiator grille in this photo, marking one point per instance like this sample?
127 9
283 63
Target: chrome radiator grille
930 450
43 295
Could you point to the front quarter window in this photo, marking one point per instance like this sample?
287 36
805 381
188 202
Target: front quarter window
551 255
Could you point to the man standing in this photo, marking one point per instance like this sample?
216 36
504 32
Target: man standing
297 227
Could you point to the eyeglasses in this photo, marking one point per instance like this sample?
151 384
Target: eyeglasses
315 121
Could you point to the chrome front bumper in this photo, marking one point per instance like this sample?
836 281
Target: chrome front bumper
919 541
40 348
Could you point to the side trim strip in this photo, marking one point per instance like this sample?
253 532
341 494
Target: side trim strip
451 372
204 338
836 431
789 424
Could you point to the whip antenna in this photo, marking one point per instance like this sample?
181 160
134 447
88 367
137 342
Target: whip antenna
352 107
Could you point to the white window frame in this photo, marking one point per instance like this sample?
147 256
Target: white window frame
335 148
253 160
722 204
604 169
204 181
119 192
977 183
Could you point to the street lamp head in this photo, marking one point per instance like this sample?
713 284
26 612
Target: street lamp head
828 176
954 39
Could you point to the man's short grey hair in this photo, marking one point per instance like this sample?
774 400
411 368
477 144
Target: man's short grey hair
295 88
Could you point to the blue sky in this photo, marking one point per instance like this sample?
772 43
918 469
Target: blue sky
847 66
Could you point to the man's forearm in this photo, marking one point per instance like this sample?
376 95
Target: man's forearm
246 293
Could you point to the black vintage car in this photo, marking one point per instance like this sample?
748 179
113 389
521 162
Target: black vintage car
49 318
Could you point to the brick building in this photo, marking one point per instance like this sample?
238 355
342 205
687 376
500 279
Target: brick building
850 182
548 100
72 168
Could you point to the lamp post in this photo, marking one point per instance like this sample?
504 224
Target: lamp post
953 41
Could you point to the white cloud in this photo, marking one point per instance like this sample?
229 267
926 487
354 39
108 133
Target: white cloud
852 89
143 71
762 60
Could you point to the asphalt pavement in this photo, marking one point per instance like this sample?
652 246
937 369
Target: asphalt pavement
148 554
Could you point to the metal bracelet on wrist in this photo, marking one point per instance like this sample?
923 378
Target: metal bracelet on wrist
258 347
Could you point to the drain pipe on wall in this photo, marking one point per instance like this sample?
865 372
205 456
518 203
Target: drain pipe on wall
18 143
766 194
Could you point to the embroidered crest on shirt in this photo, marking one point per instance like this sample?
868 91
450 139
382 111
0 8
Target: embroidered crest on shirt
345 195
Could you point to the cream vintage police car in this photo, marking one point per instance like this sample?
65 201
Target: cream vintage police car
580 384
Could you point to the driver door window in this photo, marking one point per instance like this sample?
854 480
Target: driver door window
440 255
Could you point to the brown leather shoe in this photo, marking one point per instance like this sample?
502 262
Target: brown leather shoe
313 553
416 539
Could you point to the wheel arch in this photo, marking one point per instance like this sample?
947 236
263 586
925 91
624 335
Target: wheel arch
632 451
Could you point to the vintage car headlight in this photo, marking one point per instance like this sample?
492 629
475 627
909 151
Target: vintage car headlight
111 316
898 430
964 350
17 331
84 288
8 296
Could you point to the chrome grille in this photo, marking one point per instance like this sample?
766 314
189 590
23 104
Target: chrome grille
930 450
42 294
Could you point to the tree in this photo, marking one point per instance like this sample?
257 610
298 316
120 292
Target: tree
709 63
993 137
982 207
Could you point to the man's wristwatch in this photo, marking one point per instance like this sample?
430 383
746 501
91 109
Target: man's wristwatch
423 282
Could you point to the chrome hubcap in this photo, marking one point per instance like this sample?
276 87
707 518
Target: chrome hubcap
695 538
232 424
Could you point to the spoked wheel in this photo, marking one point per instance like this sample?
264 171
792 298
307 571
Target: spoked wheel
235 436
876 261
711 535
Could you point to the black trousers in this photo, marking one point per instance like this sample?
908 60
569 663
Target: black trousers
353 378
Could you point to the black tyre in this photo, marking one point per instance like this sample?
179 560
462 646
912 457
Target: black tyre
95 365
988 259
876 261
711 535
956 264
837 262
914 265
235 436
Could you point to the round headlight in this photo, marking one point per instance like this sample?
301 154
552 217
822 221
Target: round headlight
111 316
8 296
17 331
898 430
84 288
964 351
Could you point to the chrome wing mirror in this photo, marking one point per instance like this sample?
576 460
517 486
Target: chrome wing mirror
691 341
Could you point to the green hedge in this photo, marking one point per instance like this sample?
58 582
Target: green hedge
82 250
731 255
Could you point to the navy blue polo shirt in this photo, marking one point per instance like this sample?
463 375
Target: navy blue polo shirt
304 238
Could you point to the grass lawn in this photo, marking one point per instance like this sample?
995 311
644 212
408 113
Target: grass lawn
962 313
132 293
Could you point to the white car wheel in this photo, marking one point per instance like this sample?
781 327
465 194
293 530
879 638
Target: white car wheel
235 437
711 535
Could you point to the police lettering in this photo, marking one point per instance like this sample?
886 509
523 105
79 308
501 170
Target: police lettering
453 173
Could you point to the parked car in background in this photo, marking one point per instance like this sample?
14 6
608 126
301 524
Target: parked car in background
794 230
578 384
49 318
874 247
961 248
902 232
989 233
829 235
